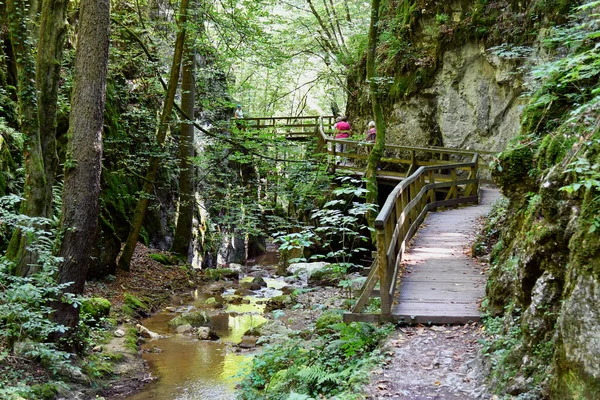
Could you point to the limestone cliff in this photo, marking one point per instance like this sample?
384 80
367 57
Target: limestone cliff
444 84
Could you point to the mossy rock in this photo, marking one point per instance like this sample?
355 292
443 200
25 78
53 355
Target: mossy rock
96 307
279 302
164 259
327 319
133 305
218 274
194 318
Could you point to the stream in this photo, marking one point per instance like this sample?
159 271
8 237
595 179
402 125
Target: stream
192 369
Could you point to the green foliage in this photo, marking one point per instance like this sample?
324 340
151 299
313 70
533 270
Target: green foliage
339 227
334 364
131 339
327 320
513 166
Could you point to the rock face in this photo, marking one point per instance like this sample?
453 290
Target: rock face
473 102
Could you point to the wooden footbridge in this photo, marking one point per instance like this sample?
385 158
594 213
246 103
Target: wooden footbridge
437 282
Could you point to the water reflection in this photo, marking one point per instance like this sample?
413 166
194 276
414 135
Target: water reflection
190 369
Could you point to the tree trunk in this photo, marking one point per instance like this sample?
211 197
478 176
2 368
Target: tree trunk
83 165
49 58
142 205
379 147
183 232
35 180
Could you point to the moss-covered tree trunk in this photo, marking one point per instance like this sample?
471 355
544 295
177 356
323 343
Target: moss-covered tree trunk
379 147
83 165
183 232
34 204
142 204
53 29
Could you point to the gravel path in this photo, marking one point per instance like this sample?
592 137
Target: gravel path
438 362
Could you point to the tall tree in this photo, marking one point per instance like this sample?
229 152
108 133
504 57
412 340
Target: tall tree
38 112
142 204
35 179
53 29
183 232
83 165
379 147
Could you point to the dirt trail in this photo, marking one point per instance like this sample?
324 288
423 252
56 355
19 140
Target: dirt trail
438 362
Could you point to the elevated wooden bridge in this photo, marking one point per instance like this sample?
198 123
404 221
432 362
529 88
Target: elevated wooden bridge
438 283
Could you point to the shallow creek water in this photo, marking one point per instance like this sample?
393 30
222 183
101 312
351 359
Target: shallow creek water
190 369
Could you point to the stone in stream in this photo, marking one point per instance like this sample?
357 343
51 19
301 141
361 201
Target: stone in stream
171 309
279 302
147 333
259 273
260 281
236 267
287 289
205 333
216 288
306 270
248 342
186 328
249 286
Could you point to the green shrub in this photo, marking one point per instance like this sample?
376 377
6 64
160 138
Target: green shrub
336 363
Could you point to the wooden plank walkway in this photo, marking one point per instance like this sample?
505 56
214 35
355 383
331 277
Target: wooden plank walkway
442 283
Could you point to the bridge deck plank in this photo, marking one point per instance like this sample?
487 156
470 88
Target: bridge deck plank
441 282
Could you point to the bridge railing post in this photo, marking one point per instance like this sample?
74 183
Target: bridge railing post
384 275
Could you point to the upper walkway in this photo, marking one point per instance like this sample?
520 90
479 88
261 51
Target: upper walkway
436 282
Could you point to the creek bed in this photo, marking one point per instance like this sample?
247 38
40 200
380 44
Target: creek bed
192 369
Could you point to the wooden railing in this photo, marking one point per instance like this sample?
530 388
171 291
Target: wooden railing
412 157
289 127
403 212
436 177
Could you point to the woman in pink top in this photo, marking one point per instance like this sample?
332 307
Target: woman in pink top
342 128
342 131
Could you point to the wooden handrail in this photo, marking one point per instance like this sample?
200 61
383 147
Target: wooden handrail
400 217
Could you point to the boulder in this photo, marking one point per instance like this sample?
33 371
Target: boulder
248 342
260 281
205 333
305 270
186 328
196 318
249 286
147 333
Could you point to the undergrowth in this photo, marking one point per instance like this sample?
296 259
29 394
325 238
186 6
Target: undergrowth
335 362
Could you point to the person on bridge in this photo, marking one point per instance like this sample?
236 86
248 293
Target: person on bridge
371 132
342 131
239 115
